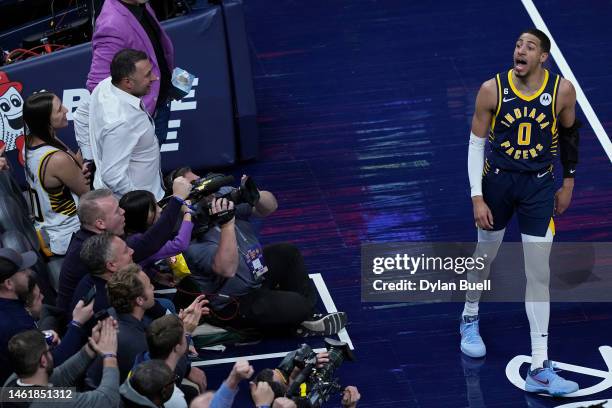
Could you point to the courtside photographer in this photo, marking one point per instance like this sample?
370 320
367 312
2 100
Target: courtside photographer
248 285
306 378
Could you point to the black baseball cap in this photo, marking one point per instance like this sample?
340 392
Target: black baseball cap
15 262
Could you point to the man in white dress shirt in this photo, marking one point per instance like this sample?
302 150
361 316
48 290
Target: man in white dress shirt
122 134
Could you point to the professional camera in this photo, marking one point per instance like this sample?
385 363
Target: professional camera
211 184
319 383
214 183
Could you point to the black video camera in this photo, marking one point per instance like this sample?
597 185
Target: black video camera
320 384
203 187
210 184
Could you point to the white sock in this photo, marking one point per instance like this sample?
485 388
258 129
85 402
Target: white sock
488 243
539 349
537 296
470 309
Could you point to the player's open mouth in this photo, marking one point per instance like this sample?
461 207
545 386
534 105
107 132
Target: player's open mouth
520 63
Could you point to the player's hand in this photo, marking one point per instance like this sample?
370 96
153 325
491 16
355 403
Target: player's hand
563 197
482 213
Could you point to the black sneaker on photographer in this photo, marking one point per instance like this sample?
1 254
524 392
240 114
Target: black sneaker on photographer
322 324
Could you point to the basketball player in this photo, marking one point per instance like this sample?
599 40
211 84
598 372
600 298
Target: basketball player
528 114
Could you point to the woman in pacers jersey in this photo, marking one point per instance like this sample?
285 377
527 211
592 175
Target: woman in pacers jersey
53 172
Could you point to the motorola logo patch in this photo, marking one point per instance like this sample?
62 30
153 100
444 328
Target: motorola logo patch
545 99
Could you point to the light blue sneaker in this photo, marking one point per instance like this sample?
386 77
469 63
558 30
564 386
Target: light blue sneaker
546 380
471 342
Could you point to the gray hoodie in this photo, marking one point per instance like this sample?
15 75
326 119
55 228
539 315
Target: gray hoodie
67 374
129 393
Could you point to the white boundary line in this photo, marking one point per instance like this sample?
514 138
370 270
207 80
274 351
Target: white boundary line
250 358
582 404
568 74
330 306
164 291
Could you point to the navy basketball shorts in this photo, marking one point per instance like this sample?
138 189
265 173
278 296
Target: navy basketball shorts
530 195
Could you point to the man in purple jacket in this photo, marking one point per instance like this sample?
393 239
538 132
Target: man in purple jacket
132 24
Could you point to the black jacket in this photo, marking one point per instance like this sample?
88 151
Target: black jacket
144 245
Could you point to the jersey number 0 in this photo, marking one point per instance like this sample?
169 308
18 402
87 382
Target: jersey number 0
524 134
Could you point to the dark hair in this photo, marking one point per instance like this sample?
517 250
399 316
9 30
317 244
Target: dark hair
137 205
163 335
25 350
174 174
267 375
544 40
150 378
97 251
124 287
124 63
37 110
28 297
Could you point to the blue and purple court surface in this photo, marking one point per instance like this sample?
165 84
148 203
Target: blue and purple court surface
364 111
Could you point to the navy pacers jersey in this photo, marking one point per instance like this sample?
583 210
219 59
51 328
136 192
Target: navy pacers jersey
524 133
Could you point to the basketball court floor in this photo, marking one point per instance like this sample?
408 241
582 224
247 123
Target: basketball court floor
364 110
